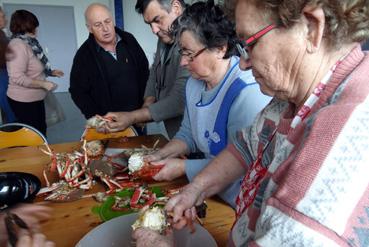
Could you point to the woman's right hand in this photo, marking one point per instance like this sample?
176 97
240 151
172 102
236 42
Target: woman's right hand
149 238
49 86
183 205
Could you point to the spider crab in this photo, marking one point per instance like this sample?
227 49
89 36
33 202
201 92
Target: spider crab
76 171
138 168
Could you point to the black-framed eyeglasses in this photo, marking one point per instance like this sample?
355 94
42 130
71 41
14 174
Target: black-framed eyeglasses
191 56
249 42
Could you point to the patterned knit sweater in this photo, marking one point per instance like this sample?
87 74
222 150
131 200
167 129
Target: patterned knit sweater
316 191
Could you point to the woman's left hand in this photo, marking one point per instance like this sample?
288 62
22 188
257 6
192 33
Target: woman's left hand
36 240
146 238
31 214
173 168
57 73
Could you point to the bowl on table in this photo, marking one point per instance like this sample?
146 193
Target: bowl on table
118 231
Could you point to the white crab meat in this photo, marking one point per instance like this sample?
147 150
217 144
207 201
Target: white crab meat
135 162
153 218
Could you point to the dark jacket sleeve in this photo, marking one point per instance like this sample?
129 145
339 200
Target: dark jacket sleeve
142 64
80 86
172 98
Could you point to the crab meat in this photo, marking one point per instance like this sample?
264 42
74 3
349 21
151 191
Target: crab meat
135 162
152 218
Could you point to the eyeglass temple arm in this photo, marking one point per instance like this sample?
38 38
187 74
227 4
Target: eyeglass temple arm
259 34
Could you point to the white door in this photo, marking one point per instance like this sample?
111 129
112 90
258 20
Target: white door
56 34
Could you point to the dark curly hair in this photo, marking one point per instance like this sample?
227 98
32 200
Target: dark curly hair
23 21
347 21
209 25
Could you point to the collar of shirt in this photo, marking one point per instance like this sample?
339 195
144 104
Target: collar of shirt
114 54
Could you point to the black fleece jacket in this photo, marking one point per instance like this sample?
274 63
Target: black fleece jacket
90 87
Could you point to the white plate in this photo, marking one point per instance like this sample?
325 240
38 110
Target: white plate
117 232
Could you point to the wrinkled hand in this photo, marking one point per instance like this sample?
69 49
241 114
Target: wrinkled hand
36 240
121 121
157 156
57 73
183 204
173 168
31 214
50 86
147 238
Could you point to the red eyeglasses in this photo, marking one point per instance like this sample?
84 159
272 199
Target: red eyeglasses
244 44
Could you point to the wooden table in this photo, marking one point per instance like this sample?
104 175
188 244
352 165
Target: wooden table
70 221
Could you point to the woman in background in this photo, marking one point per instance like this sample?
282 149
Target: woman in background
5 110
28 68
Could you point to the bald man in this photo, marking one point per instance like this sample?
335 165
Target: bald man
110 69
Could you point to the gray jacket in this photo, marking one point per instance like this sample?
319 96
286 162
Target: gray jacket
166 83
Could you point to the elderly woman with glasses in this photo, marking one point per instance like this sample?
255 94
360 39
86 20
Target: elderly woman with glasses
220 98
305 159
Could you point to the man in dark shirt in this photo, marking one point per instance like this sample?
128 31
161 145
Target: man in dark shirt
110 69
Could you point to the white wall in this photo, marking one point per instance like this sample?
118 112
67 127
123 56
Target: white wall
133 22
79 8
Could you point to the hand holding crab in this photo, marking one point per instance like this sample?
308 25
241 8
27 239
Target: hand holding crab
173 168
119 121
146 237
183 204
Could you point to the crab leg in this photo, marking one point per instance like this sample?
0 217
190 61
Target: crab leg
46 179
67 164
121 177
151 200
115 183
136 197
111 187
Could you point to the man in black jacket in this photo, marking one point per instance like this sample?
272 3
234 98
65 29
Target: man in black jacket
164 98
110 69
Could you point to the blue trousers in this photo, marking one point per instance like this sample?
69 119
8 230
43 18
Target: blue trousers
4 104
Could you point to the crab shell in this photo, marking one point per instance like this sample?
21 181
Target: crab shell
94 148
96 122
153 218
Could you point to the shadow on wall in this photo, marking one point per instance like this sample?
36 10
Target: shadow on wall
72 127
